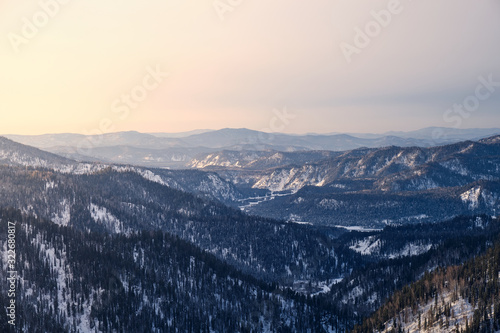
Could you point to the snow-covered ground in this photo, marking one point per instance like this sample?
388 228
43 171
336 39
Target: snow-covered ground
367 246
372 245
315 288
471 197
254 201
358 228
63 216
460 309
411 249
101 216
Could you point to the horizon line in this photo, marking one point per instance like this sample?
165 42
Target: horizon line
250 129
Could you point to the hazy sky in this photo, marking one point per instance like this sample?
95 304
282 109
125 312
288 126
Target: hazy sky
85 65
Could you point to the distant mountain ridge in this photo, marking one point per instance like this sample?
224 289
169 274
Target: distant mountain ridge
163 149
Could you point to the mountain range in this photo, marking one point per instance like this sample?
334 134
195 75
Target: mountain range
360 187
252 240
167 150
367 186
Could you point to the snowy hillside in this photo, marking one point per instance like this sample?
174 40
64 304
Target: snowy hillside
461 298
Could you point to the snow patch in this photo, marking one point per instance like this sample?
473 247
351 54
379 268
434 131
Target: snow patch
64 215
410 250
367 246
101 216
471 197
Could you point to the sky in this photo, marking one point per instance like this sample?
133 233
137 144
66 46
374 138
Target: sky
289 66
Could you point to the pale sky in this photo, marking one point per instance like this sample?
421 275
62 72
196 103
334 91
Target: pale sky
74 71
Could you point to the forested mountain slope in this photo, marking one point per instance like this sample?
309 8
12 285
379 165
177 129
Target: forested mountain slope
123 202
463 298
373 187
71 281
200 183
388 168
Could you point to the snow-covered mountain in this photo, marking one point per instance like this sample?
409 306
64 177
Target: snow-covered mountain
454 299
372 185
257 160
69 281
13 153
464 175
193 181
386 169
112 247
125 200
